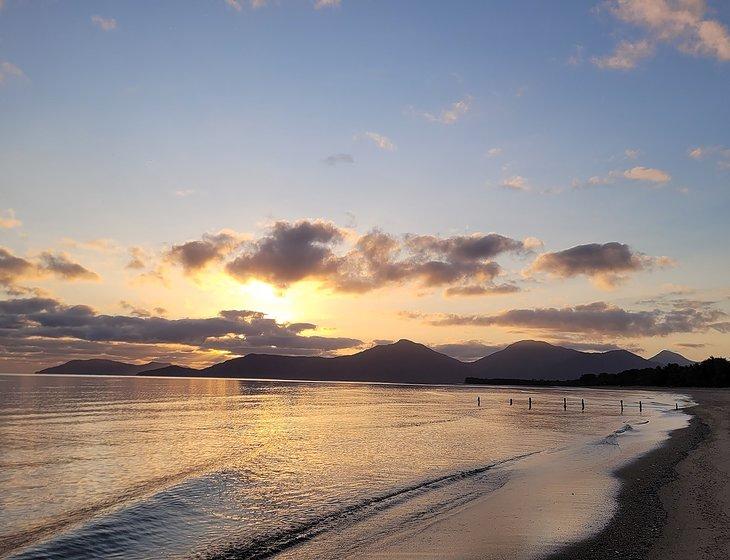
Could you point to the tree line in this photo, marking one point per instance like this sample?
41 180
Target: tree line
712 372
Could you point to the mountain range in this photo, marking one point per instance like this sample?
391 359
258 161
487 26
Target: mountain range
401 362
103 367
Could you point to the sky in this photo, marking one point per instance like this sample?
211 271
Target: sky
194 181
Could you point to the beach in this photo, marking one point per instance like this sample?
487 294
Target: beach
675 501
672 503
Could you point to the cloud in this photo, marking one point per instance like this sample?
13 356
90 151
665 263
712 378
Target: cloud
449 115
494 152
343 261
607 264
100 245
320 4
597 319
8 219
380 141
467 350
647 174
626 56
9 70
61 265
463 261
291 252
488 290
632 154
184 193
236 4
43 322
105 24
194 256
138 257
720 154
14 269
515 183
642 174
681 23
336 159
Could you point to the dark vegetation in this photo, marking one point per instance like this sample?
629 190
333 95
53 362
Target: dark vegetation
713 372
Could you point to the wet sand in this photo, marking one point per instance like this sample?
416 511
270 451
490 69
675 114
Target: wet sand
675 501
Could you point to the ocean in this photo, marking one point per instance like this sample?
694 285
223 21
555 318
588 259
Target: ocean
125 467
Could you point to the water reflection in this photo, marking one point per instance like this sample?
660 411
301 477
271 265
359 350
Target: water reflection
135 465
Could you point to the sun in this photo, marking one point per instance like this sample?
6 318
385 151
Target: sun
276 303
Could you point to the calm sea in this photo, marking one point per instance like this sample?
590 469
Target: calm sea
120 467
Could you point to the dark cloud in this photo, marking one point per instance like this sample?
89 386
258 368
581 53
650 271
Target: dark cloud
464 248
33 322
608 264
336 159
461 262
291 252
14 269
487 290
316 250
61 265
691 344
193 256
596 319
468 350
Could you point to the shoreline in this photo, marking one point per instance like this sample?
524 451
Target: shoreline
674 501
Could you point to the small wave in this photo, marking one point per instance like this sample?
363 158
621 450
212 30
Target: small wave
612 438
271 544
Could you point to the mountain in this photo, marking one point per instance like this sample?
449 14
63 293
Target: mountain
102 367
666 357
401 362
172 371
531 359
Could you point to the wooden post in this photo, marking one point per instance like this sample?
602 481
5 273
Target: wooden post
529 403
582 404
676 406
622 406
639 406
565 403
510 402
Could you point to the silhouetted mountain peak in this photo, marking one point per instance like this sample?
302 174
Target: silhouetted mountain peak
666 357
97 366
528 344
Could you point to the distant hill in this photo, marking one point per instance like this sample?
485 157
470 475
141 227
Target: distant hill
666 357
531 359
172 371
102 367
401 362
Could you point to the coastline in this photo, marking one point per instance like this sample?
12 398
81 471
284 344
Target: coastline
674 502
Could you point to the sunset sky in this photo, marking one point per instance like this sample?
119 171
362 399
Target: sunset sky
193 181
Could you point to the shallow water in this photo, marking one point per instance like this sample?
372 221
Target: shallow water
119 467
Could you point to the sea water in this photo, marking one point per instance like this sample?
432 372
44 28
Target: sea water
124 467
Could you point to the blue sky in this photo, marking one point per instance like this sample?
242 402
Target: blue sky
150 124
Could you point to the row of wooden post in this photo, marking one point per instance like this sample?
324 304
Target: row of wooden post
582 404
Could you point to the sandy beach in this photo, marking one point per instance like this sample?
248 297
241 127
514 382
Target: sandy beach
671 503
675 501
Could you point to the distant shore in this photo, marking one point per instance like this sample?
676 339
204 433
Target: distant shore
675 501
